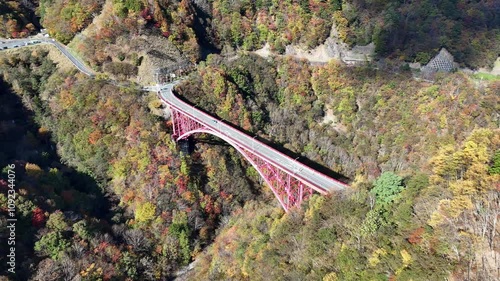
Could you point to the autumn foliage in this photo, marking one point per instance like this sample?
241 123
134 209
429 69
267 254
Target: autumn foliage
416 236
38 217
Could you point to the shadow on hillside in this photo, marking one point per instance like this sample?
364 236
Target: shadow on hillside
205 35
22 142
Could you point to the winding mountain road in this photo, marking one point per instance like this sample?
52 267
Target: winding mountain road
6 44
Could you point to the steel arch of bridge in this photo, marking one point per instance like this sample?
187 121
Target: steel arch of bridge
288 189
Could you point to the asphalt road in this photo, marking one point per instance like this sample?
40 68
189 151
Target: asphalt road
314 179
18 43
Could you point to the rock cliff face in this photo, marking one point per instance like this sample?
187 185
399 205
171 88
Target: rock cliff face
159 56
350 56
338 49
334 48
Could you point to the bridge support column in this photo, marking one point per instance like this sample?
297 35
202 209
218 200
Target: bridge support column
289 190
183 124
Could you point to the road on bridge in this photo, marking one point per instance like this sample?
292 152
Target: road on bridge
314 179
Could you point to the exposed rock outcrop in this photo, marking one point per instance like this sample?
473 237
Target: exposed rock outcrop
160 57
333 48
340 50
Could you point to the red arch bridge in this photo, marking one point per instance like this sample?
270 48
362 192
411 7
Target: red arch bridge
290 180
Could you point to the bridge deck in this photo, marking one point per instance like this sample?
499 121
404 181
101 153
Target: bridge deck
314 179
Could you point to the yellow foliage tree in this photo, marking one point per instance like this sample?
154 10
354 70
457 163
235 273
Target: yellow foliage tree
332 276
374 259
33 170
465 173
406 257
145 212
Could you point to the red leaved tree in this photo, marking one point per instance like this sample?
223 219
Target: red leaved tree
38 217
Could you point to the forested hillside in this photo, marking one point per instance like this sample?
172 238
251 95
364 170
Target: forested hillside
391 231
64 19
58 207
407 30
166 204
411 31
357 121
104 193
425 192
